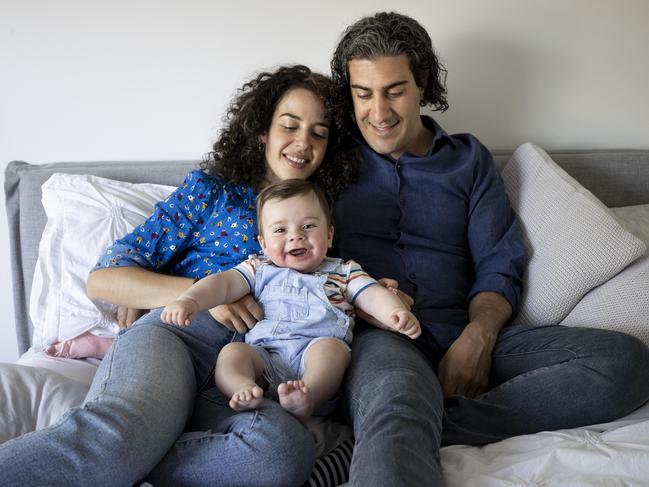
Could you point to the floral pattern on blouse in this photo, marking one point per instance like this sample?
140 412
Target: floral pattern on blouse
206 225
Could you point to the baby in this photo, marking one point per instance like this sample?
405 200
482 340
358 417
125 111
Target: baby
308 301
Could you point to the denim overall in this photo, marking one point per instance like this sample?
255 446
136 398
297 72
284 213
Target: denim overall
297 313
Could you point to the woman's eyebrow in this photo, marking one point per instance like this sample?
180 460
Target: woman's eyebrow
295 117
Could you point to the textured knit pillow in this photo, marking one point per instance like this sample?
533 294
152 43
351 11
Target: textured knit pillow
621 303
85 214
573 241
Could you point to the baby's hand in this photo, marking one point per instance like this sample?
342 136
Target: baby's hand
180 312
403 321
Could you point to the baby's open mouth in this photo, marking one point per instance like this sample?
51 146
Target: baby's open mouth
297 252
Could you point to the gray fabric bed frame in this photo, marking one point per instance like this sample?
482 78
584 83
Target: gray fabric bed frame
618 178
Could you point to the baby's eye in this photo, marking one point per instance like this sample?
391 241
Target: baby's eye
309 226
278 230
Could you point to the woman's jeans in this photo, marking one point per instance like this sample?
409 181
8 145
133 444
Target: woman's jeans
542 378
139 404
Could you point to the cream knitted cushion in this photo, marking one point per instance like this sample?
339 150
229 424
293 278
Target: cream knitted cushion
573 240
621 303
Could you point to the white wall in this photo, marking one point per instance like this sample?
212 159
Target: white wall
96 80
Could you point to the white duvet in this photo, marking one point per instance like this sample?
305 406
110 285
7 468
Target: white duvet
606 455
617 456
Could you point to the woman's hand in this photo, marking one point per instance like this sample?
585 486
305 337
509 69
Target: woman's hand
127 316
239 316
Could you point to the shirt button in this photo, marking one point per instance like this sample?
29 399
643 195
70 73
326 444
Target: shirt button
401 246
412 276
341 322
402 202
398 166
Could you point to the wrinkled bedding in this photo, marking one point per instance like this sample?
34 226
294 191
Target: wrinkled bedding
610 454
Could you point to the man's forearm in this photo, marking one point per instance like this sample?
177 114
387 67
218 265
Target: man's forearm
488 313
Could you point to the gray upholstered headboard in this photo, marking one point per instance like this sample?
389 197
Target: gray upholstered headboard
618 178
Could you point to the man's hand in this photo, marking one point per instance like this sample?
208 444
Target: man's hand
464 369
239 316
127 316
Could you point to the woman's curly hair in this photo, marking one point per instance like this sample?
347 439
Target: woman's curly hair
388 34
237 155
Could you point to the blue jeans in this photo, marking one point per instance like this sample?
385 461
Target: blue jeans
542 378
141 400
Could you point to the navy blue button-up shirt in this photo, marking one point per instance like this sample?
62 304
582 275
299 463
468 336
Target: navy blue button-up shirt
440 224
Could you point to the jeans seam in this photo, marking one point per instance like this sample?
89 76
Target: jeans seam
517 354
208 436
530 373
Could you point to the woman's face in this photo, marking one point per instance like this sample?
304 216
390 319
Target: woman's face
297 138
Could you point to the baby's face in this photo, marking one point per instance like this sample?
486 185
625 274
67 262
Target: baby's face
295 233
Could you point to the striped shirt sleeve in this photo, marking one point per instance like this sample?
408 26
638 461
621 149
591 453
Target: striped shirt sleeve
248 269
357 280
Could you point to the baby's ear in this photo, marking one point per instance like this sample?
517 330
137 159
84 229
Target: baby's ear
330 236
262 243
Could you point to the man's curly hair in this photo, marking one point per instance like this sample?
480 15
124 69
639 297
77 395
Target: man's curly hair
237 155
388 34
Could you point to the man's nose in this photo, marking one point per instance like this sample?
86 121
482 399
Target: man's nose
380 109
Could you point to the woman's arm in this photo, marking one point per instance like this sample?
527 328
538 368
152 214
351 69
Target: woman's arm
134 287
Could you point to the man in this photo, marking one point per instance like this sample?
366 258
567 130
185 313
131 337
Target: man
431 212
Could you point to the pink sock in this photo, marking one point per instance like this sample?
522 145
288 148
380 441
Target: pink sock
83 346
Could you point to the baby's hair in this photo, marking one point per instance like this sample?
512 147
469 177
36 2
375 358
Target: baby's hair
287 189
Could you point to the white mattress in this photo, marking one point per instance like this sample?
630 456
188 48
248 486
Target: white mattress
604 455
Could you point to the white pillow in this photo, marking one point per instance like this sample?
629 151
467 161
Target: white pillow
85 214
33 397
574 242
621 303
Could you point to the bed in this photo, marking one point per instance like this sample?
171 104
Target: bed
614 183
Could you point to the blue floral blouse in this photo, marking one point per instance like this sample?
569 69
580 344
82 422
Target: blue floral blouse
204 226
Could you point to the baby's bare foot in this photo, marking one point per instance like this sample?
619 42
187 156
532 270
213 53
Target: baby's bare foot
247 398
294 396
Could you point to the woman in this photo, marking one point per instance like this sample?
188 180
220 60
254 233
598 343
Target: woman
156 380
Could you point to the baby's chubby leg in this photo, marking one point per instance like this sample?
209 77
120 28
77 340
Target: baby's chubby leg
238 368
325 362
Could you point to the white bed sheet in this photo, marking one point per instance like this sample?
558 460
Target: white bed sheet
603 455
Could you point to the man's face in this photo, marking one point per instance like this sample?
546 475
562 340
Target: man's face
386 105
